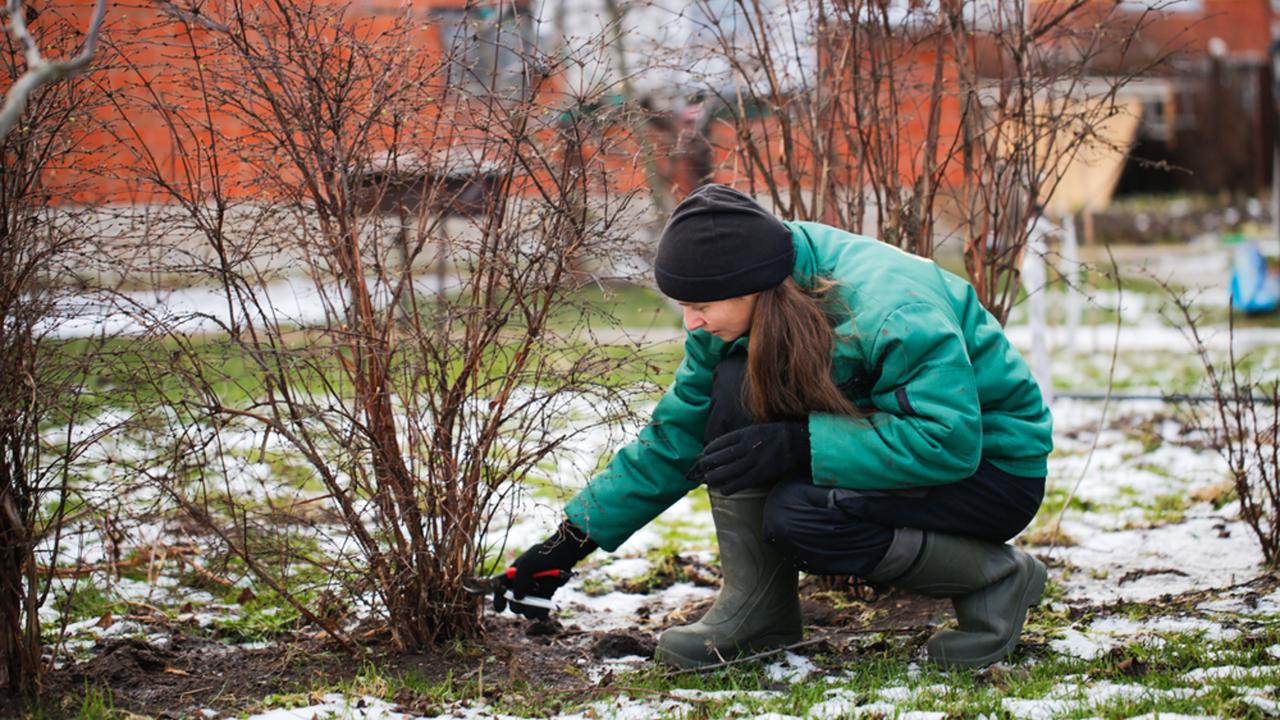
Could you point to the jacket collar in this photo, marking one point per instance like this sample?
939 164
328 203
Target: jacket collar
806 264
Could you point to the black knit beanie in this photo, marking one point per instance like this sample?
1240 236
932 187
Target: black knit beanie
720 244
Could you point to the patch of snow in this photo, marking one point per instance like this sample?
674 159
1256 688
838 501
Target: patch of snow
596 672
1115 630
1105 692
1080 645
1170 559
1261 700
115 629
1231 672
876 709
159 639
1239 602
1172 716
792 668
1038 709
257 645
338 707
625 708
287 300
1224 656
1068 698
627 568
682 517
895 694
1145 336
617 610
902 694
836 707
1119 556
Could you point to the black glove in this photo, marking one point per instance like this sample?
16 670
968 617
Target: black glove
560 552
755 456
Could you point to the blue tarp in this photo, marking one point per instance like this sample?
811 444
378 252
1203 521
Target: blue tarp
1253 288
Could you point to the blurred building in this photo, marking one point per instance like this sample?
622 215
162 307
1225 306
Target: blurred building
1201 88
1208 117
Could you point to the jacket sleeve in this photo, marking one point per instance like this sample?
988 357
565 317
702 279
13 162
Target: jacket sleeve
647 476
926 425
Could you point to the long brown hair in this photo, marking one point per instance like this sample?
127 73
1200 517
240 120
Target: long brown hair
789 355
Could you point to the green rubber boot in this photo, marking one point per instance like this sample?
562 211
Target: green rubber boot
758 606
991 586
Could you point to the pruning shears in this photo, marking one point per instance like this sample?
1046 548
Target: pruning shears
487 585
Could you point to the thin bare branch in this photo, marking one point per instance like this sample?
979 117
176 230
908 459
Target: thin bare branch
39 70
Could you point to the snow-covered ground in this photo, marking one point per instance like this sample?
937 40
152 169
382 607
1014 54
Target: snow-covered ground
1142 537
1147 522
1125 545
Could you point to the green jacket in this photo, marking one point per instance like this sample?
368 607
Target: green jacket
945 386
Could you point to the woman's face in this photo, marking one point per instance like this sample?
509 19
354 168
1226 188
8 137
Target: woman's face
726 319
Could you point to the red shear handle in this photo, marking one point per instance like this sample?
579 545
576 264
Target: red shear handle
553 573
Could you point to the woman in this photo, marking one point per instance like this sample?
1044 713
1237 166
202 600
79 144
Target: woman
852 409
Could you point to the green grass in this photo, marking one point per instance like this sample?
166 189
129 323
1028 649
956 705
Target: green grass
1156 373
264 618
620 305
1098 292
1167 508
1056 496
97 704
970 693
130 373
133 373
1161 509
869 666
665 569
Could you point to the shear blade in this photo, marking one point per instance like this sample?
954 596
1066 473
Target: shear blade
482 586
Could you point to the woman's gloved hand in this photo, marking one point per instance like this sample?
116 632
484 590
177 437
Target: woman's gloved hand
755 456
564 549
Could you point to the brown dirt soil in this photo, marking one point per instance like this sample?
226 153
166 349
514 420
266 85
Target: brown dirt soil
177 679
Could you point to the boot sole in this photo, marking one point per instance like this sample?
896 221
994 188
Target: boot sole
683 662
1031 595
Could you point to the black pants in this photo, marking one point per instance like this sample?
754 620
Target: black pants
833 531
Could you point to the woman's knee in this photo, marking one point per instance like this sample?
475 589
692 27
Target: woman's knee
1023 497
790 511
801 522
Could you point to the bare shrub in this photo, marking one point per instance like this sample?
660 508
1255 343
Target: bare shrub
45 400
1241 423
396 263
38 70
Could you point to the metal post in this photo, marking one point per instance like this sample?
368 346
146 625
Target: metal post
1071 269
1035 282
1275 135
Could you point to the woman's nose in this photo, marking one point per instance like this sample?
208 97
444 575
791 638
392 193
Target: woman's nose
693 320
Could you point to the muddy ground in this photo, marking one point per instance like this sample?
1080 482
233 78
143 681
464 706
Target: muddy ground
179 678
